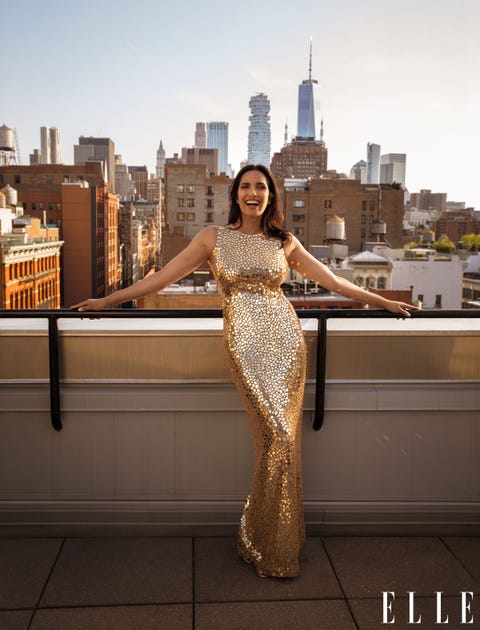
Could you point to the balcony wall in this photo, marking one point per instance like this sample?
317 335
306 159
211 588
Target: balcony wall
155 439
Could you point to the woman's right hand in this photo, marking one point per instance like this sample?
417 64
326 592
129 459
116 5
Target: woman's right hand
92 304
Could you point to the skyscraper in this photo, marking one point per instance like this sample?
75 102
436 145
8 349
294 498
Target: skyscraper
92 149
359 171
373 163
50 145
392 168
305 156
259 130
217 138
200 136
308 105
160 165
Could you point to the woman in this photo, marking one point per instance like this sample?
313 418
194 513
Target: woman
265 348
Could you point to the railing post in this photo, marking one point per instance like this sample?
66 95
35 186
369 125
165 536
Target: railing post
320 373
54 361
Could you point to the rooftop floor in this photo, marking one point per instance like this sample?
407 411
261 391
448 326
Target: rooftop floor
199 582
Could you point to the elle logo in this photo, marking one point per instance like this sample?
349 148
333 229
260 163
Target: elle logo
465 608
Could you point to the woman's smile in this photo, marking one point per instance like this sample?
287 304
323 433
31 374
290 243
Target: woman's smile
253 194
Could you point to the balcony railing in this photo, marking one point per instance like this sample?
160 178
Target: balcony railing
321 315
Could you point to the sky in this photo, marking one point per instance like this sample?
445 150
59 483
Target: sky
404 75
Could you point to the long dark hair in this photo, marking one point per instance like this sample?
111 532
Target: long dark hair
272 219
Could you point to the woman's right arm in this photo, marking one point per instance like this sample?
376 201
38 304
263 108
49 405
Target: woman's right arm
196 253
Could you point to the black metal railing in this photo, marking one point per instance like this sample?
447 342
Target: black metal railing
321 315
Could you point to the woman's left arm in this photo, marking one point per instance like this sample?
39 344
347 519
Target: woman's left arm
302 261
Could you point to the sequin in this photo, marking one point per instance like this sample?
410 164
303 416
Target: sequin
265 347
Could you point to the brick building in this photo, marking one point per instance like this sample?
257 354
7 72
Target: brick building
39 186
426 200
456 224
29 263
199 155
194 199
91 254
309 204
91 265
301 158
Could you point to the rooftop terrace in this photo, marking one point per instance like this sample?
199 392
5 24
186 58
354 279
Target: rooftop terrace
126 517
198 583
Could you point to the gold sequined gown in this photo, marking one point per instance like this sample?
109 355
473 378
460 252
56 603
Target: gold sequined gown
266 351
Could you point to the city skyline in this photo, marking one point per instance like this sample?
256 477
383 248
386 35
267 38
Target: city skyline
382 79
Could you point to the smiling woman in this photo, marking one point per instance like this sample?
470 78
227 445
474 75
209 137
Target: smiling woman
265 349
255 203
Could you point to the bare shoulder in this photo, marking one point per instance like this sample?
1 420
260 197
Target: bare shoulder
207 237
291 244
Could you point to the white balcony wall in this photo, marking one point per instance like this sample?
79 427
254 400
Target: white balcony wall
395 455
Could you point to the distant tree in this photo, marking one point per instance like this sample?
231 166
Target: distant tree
471 242
443 244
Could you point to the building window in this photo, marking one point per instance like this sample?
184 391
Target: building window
372 206
363 233
370 219
180 216
209 190
50 206
17 179
209 217
327 203
298 231
190 203
209 203
299 218
180 188
180 203
364 219
364 206
358 281
190 216
59 207
190 188
438 301
66 179
34 205
381 283
299 203
40 205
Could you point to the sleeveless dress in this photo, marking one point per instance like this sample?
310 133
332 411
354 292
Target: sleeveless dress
265 348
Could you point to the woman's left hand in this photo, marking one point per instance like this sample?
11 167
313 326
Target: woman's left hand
402 308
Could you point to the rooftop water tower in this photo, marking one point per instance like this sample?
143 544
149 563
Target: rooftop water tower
379 230
7 146
335 230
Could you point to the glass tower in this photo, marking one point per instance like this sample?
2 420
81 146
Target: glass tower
259 130
217 138
308 105
373 163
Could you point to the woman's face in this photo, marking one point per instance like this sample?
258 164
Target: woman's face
253 194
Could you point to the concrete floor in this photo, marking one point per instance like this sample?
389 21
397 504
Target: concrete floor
198 583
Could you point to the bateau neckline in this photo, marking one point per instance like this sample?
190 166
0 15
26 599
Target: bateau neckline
232 229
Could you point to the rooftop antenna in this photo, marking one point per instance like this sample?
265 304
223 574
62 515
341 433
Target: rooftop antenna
310 62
